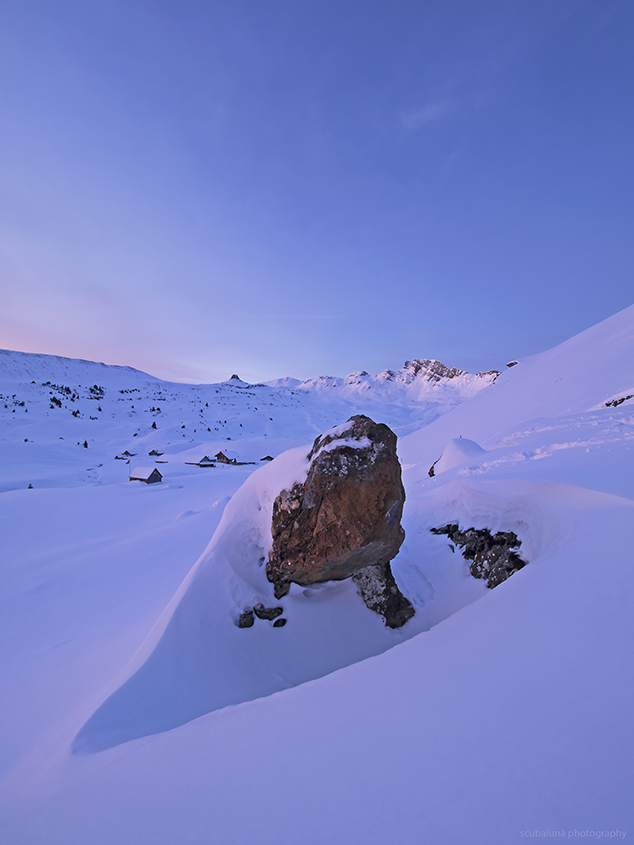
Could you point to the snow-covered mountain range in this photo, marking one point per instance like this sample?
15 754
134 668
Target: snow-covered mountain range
53 403
138 712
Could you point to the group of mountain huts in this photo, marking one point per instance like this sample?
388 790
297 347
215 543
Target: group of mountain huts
218 458
151 475
224 458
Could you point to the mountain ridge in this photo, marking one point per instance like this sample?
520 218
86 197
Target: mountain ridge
15 363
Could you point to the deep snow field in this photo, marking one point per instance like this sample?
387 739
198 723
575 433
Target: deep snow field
135 711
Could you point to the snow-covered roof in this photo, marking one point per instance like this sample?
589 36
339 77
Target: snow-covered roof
143 473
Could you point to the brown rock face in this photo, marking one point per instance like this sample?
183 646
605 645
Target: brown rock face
346 516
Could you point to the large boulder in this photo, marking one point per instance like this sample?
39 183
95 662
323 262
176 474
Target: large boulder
344 518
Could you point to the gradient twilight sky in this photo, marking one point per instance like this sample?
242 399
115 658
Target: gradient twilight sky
304 187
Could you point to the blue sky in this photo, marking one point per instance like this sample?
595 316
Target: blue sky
304 188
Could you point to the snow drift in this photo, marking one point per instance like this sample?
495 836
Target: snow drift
498 713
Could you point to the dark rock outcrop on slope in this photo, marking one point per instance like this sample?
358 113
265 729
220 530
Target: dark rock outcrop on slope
344 518
492 556
614 403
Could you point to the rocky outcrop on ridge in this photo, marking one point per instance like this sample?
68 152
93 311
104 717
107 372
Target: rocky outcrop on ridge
419 370
345 518
430 369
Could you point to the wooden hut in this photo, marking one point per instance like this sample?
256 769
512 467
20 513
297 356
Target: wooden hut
150 475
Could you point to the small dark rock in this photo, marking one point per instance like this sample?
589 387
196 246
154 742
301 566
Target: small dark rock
246 619
279 623
268 613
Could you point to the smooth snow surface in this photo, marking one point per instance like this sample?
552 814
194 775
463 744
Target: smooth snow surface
138 712
458 451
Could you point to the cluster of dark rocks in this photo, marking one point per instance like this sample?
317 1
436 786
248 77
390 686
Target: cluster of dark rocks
269 614
492 556
614 403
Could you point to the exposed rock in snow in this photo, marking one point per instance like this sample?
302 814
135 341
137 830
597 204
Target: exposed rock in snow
380 592
614 403
268 613
429 369
236 381
346 516
492 555
246 619
356 378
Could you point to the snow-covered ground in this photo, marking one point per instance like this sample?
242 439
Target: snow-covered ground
135 711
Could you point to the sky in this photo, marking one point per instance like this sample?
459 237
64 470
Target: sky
309 187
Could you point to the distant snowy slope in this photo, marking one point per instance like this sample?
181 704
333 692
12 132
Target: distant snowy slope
29 366
54 403
579 375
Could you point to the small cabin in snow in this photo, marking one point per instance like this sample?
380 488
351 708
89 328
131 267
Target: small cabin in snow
148 474
222 458
155 453
205 460
266 458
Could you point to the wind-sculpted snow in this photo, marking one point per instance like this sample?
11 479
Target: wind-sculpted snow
459 451
196 660
500 714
